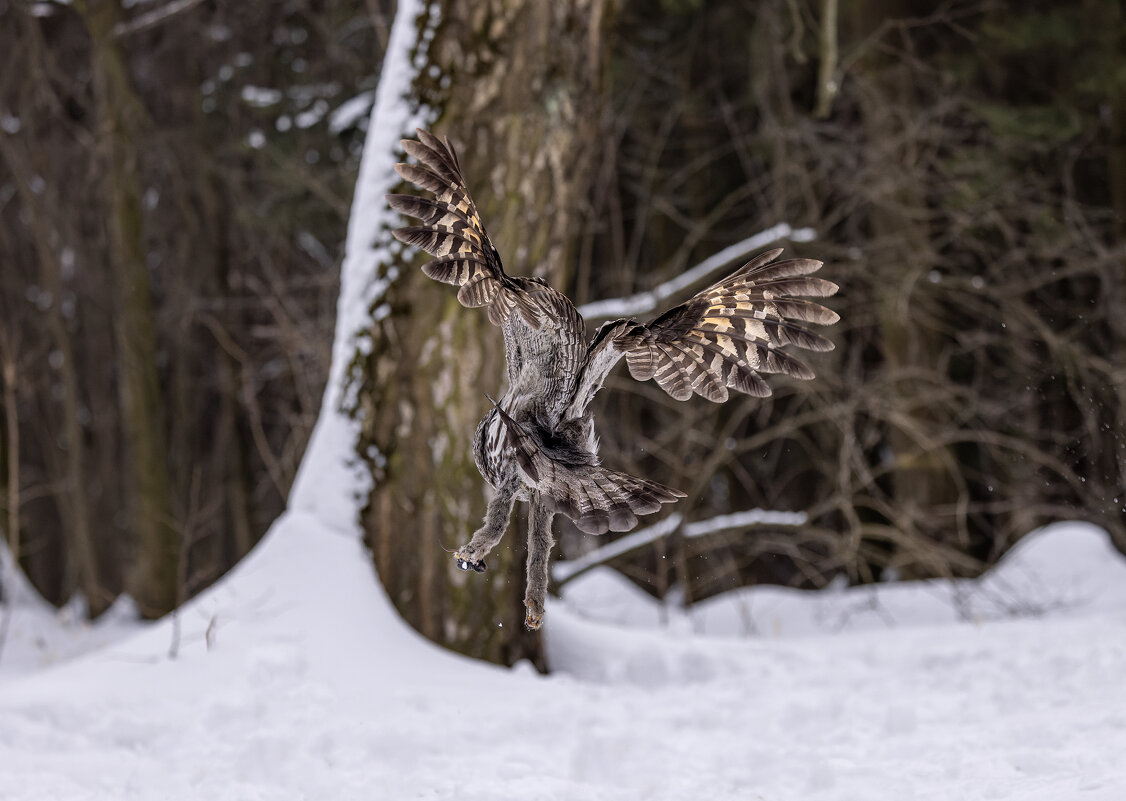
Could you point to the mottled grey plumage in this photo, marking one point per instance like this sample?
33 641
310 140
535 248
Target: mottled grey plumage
538 443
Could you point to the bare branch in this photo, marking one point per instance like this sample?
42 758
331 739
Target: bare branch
152 18
826 82
650 301
563 572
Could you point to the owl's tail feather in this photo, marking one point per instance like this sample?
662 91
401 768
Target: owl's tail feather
595 498
602 500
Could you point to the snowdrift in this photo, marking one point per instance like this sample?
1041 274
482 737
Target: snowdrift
295 679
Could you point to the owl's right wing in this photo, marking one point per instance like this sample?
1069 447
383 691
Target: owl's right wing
452 231
722 338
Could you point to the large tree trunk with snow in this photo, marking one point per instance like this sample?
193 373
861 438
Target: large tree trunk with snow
514 85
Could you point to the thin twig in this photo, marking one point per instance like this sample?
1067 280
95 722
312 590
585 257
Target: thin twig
152 18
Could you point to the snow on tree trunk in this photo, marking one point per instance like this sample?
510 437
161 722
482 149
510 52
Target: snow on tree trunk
332 483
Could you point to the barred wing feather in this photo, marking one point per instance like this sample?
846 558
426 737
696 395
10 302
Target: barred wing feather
452 231
723 338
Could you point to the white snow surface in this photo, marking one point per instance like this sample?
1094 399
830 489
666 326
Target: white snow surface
309 686
38 635
1065 568
350 112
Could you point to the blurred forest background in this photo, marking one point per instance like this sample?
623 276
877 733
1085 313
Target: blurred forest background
175 184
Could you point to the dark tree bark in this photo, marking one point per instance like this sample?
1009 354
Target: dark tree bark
152 581
10 455
68 459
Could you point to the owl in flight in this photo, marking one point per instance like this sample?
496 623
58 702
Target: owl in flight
537 444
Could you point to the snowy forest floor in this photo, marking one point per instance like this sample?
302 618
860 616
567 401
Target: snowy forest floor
295 679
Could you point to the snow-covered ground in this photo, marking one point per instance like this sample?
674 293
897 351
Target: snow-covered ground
1063 568
35 635
296 680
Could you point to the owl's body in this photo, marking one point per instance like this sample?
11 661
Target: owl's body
542 366
538 443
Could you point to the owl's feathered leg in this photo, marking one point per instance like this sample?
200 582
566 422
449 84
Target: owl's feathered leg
540 541
471 555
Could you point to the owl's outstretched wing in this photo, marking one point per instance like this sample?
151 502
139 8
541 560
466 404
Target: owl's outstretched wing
452 231
722 338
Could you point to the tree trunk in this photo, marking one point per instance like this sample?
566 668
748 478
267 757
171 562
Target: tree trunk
922 488
514 84
10 458
153 578
1114 288
81 568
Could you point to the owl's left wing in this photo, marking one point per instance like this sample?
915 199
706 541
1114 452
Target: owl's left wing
452 231
722 338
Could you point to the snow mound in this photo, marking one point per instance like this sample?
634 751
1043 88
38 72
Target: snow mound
1064 568
296 679
39 635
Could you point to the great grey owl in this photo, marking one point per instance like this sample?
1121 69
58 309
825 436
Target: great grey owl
537 444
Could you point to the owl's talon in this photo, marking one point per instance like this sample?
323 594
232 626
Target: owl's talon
468 564
533 620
